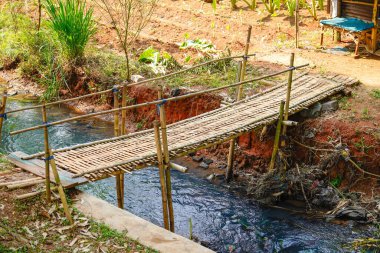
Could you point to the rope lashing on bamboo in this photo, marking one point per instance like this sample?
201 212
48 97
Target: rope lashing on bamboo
4 116
158 106
134 151
48 158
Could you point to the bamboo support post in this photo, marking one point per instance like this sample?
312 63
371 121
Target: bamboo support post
60 188
116 113
231 153
161 174
244 65
47 165
3 116
165 149
120 176
124 112
277 136
288 93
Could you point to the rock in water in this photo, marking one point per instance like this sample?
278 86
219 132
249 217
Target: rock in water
208 161
352 213
197 159
313 112
330 106
203 165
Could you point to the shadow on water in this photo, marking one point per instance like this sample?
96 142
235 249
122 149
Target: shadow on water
222 221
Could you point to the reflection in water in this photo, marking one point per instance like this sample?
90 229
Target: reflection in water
222 221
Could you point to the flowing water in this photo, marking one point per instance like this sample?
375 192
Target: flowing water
222 220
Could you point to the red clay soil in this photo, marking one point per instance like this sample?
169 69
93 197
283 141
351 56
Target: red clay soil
175 110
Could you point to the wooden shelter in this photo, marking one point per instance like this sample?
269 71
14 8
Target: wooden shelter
358 18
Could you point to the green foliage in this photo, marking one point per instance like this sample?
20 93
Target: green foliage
336 181
376 93
291 6
362 146
313 9
272 5
158 62
74 24
252 4
198 44
38 54
105 232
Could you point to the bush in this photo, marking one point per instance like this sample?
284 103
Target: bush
73 24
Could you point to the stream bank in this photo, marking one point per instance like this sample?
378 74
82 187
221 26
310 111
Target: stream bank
188 196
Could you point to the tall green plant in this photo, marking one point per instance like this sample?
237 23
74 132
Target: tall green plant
291 6
272 5
313 9
73 23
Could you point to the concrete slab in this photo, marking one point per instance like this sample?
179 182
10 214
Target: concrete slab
138 229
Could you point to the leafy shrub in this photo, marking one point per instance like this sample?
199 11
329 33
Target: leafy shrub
73 23
159 62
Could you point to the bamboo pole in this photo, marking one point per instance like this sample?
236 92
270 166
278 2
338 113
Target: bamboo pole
165 149
154 102
124 112
60 188
47 166
3 116
277 136
129 84
116 113
287 102
231 152
32 194
161 174
120 176
245 59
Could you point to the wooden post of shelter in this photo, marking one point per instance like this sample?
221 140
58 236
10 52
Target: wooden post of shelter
3 115
161 174
47 154
277 136
60 187
231 152
120 176
165 148
289 89
296 21
375 23
338 35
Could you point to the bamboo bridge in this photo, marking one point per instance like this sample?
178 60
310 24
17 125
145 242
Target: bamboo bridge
114 157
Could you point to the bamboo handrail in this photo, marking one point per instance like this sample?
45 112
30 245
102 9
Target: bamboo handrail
154 102
128 85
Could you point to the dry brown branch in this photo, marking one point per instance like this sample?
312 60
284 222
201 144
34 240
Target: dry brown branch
128 18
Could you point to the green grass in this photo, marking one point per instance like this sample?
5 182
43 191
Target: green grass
73 22
376 93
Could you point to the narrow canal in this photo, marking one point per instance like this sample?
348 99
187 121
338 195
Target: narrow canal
222 220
